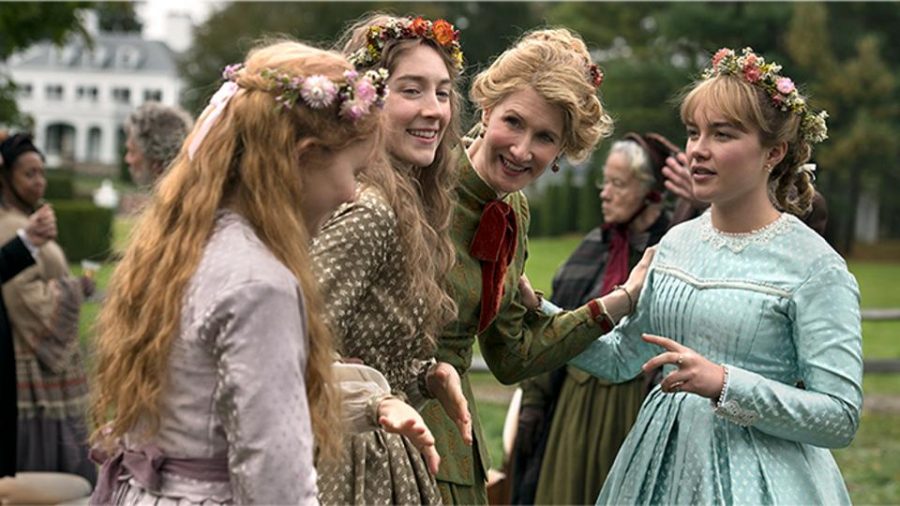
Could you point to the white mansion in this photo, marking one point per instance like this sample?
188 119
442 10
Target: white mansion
79 95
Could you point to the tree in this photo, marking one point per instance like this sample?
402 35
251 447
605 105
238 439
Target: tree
860 93
23 24
487 28
118 17
590 212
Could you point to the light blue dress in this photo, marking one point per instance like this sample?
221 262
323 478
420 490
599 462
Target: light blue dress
777 307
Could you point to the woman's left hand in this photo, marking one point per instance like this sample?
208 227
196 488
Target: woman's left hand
445 385
399 417
695 373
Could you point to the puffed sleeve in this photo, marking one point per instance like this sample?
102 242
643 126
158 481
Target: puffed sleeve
348 253
828 340
362 388
260 345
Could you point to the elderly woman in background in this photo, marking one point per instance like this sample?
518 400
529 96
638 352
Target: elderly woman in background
155 134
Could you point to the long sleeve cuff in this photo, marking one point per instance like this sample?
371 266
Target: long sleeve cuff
28 244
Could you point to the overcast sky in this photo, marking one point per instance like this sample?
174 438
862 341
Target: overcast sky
153 13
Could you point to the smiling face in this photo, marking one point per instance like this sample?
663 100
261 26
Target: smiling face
726 160
417 110
623 192
523 137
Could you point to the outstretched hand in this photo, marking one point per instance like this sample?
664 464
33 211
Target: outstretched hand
445 385
399 417
695 373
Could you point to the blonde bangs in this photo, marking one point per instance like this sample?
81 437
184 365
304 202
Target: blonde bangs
736 100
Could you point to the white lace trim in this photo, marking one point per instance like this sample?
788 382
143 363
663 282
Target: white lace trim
736 242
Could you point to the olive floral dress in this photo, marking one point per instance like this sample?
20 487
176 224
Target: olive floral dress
358 256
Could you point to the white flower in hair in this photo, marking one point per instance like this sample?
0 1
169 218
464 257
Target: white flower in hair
318 91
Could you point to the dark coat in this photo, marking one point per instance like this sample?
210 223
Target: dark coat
14 257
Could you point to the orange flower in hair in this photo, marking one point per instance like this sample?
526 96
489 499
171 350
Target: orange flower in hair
440 31
444 33
419 27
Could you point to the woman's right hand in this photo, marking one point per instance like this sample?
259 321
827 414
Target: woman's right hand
399 417
635 282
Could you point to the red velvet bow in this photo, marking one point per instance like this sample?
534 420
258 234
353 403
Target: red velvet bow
494 244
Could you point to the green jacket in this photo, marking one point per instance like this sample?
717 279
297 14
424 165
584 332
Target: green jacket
518 344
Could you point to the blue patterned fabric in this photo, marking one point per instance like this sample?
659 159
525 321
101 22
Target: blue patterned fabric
780 310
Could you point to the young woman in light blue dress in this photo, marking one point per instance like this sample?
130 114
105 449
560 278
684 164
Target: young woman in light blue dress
754 318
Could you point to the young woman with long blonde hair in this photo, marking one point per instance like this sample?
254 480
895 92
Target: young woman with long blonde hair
213 363
382 259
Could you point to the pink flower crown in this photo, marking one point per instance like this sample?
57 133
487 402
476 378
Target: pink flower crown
784 94
440 31
355 95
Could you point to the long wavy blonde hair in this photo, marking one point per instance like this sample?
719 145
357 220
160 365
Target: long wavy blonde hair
421 197
248 163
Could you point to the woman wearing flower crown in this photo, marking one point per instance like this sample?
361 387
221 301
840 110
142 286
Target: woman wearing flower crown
205 389
538 102
762 347
381 259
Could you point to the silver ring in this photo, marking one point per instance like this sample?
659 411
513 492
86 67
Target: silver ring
677 386
680 359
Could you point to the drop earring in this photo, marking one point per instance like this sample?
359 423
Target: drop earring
555 166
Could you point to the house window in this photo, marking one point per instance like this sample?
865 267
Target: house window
54 92
88 93
121 95
25 90
152 95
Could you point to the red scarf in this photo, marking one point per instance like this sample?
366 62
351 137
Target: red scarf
617 264
494 244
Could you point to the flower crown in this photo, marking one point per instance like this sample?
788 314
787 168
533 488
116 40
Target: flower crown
440 31
355 96
784 94
596 75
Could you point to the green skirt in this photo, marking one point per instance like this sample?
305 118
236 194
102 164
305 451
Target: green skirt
591 421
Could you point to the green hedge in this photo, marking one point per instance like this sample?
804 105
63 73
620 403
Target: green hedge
85 230
60 184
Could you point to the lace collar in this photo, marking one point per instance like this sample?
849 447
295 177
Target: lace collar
736 242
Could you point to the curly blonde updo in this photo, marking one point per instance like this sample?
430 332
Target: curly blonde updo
747 105
556 64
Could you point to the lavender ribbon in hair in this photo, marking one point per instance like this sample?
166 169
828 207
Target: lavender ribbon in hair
212 112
